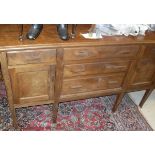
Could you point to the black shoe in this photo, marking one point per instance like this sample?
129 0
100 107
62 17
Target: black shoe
34 31
63 31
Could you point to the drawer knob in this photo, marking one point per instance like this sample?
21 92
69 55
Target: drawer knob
153 50
32 57
112 82
79 68
76 87
115 66
100 81
82 53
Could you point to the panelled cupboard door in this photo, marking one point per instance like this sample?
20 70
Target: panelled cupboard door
144 72
32 84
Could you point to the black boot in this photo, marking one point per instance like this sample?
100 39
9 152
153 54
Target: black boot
63 31
34 31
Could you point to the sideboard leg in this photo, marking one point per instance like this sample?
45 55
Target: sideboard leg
7 82
58 82
117 102
145 97
15 124
55 112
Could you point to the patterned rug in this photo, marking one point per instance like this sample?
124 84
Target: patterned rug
91 114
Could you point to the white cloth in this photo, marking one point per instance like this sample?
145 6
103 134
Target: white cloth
101 30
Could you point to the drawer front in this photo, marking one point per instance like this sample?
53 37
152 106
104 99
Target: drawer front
73 86
94 68
31 56
84 53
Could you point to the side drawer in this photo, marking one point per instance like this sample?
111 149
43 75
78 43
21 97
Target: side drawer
73 86
84 53
94 68
31 56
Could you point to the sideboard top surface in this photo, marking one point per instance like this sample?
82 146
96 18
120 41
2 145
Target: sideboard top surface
49 38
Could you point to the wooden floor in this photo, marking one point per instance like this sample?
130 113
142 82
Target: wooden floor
148 109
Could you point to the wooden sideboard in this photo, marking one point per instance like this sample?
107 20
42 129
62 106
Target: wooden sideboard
49 70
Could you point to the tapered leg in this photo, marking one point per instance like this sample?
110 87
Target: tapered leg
15 124
145 97
118 101
55 112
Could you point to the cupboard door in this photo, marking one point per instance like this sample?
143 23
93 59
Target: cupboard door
32 84
144 73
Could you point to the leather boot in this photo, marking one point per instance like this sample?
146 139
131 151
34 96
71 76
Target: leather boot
63 31
34 31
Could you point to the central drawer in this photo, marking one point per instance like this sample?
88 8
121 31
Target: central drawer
94 68
88 53
73 86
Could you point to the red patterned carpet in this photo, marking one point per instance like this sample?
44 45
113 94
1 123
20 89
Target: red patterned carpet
91 114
